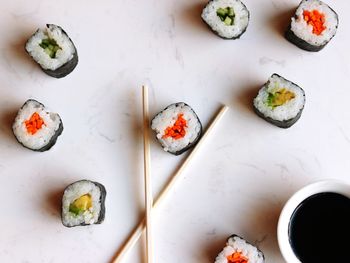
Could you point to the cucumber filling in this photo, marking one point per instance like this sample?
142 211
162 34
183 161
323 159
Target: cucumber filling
279 97
80 205
226 15
50 46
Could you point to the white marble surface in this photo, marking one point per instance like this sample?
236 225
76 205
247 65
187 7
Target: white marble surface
237 184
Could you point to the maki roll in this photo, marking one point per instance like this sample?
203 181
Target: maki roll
280 102
83 203
53 50
238 250
177 128
35 127
313 25
227 18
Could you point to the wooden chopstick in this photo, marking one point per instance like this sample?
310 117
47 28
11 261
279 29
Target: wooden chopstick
147 176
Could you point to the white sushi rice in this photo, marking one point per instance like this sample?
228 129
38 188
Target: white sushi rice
237 244
63 55
73 192
304 31
42 137
240 22
287 111
167 118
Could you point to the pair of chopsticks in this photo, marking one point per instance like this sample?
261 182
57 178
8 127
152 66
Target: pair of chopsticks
146 223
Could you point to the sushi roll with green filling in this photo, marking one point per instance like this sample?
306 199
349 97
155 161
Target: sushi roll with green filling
237 250
35 127
83 203
228 19
313 25
280 102
177 128
53 50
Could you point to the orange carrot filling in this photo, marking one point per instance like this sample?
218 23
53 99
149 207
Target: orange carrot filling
316 19
34 123
237 257
177 131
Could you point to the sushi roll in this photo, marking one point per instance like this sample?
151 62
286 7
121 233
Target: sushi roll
238 250
53 50
228 19
177 128
35 127
280 102
313 25
83 203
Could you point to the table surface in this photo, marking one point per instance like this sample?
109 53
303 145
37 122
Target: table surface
239 180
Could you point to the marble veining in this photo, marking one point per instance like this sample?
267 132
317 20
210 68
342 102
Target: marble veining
237 183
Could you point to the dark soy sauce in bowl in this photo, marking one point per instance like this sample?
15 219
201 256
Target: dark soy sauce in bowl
319 229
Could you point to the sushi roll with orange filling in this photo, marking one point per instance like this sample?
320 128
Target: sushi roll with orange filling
313 25
238 250
35 127
177 128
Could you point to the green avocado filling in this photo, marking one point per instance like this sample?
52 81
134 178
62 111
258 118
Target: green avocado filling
50 46
226 15
279 97
81 204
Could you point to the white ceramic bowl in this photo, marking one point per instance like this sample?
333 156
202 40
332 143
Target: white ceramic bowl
288 209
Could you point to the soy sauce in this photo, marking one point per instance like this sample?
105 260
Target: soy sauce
319 229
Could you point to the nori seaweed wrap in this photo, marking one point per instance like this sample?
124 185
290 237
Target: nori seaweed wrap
35 127
83 203
313 25
237 249
228 19
177 128
280 102
53 50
